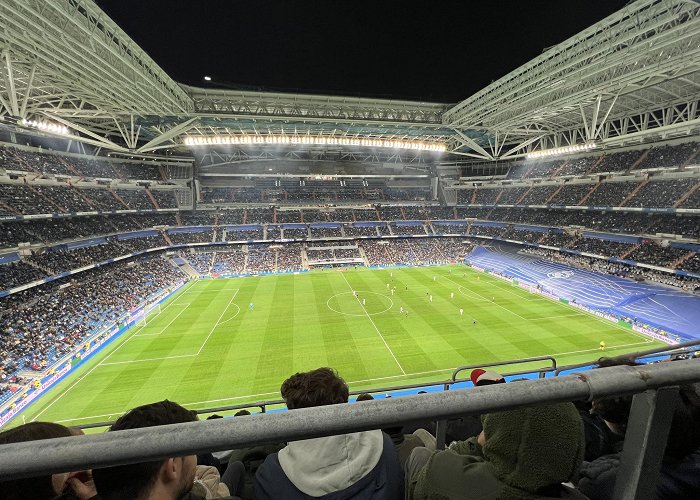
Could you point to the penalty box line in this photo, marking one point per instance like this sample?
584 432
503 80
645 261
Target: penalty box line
199 351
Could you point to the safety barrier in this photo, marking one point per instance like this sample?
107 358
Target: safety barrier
654 386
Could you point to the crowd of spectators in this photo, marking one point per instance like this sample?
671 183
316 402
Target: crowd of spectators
668 156
617 162
661 193
651 253
179 238
229 262
314 191
611 194
39 325
18 273
326 232
32 199
406 230
423 251
58 164
239 235
261 258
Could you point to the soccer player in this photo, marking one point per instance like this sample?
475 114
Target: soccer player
434 278
354 293
461 312
603 345
363 301
251 306
387 286
431 298
401 310
452 295
392 291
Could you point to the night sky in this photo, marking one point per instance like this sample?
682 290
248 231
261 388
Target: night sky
435 50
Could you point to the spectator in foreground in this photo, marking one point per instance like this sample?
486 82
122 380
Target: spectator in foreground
480 377
525 453
359 465
74 485
174 478
680 469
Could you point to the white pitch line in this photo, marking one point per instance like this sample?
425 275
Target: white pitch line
462 287
375 327
186 304
217 323
149 359
234 398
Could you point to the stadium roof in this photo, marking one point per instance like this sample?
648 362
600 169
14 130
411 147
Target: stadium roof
633 76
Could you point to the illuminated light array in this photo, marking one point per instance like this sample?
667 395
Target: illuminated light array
576 148
54 128
313 141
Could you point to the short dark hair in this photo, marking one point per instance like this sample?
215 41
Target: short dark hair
136 480
365 397
33 487
319 387
241 413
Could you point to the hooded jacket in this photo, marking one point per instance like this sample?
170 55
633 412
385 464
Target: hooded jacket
361 465
677 481
528 453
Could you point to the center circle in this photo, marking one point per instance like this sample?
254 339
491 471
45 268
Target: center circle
361 293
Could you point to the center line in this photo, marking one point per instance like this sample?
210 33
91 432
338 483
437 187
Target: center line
375 326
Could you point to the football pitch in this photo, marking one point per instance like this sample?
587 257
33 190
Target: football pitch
232 341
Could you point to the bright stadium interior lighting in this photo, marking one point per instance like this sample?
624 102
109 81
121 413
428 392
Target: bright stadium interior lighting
53 128
314 141
207 78
575 148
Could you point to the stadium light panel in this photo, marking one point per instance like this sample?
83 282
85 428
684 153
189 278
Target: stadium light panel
575 148
315 141
53 128
207 78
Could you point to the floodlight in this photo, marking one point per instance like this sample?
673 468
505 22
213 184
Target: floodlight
207 78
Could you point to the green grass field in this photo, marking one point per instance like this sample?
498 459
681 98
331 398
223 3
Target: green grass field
205 348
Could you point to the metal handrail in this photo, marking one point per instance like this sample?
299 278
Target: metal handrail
674 349
541 371
27 459
263 405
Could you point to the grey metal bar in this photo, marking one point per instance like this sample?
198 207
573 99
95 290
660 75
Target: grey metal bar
512 362
138 445
440 434
635 355
645 442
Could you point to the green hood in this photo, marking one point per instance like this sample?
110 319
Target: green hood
531 448
528 453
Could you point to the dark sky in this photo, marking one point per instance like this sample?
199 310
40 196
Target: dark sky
426 50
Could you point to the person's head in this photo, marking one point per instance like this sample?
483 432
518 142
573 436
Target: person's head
614 410
364 397
319 387
36 488
481 377
168 478
241 413
535 448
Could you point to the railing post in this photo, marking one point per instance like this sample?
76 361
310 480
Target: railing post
645 442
